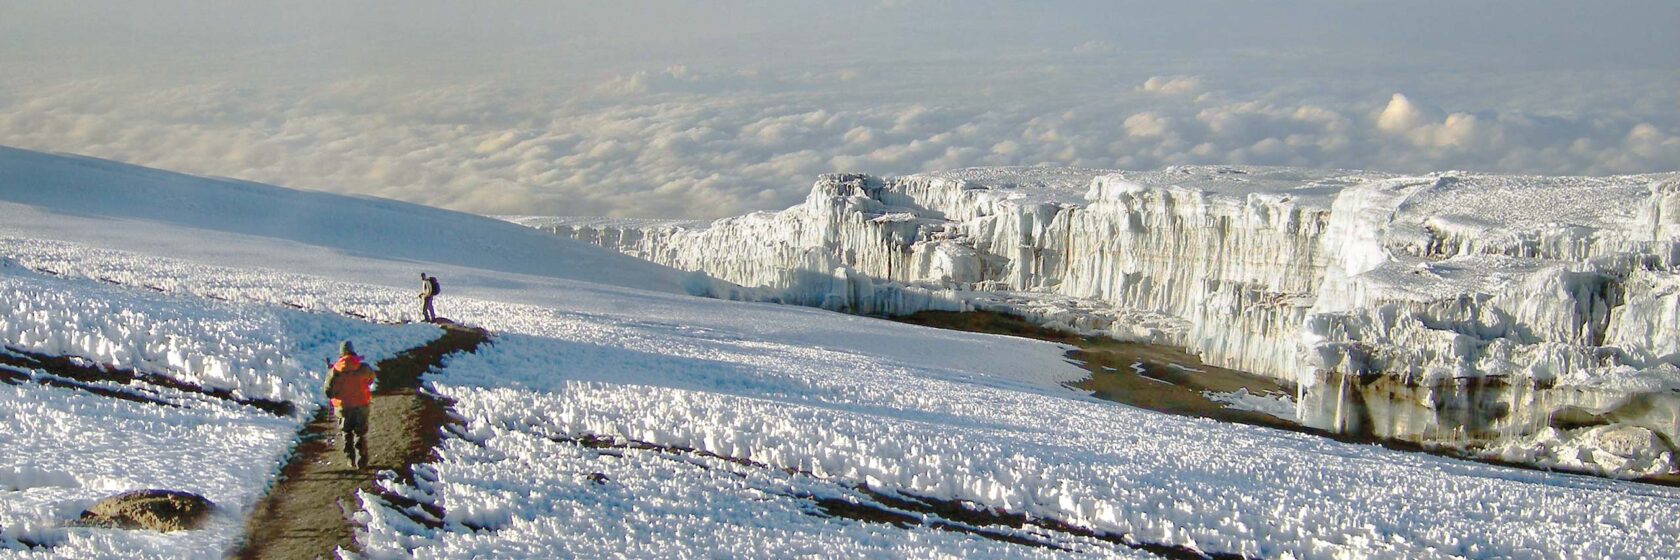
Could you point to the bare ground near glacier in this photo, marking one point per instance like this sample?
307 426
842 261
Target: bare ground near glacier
1148 376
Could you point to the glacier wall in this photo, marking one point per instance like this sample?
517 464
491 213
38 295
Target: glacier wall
1156 257
1412 289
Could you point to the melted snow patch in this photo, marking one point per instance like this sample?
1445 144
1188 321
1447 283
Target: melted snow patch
1280 406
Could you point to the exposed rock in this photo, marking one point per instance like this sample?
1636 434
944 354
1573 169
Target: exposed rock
156 510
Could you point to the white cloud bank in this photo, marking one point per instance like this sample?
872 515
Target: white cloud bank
494 150
697 118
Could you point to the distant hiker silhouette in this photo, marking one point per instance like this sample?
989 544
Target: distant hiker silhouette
350 386
428 289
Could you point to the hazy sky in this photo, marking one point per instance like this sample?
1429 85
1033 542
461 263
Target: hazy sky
713 108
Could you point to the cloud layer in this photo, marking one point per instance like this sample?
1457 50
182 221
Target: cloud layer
705 113
713 153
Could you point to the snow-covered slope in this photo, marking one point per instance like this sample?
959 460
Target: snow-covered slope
607 420
120 206
1303 275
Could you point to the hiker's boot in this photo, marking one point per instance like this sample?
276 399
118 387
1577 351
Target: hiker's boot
361 455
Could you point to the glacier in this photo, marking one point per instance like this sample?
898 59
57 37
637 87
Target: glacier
1530 316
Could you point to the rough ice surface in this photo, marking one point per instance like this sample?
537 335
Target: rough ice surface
787 404
1564 284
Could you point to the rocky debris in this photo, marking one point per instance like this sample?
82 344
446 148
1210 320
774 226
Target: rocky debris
155 510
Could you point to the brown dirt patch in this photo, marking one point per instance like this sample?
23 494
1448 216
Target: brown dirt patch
1116 376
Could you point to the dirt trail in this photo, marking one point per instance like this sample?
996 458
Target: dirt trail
306 514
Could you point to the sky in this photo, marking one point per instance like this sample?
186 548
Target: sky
705 109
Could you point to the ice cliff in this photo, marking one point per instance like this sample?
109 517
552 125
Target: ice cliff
1492 305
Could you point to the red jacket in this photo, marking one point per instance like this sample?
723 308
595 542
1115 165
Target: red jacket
351 383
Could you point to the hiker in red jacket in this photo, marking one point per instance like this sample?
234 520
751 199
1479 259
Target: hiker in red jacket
350 386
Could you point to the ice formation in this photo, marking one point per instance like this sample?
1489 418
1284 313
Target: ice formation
1562 287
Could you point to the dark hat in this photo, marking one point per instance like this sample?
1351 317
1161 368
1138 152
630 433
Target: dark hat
346 349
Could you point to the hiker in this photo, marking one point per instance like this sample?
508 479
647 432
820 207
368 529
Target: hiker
428 289
350 386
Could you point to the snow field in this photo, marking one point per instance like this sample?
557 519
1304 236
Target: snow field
114 205
254 350
65 449
76 448
852 420
717 343
515 493
222 283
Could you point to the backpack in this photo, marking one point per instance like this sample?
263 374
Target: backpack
434 283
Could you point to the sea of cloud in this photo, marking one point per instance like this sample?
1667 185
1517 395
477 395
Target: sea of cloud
679 143
723 120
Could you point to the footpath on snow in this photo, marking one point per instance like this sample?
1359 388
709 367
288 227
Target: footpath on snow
308 512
